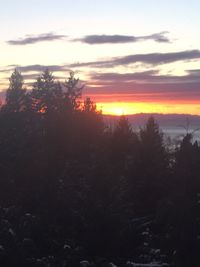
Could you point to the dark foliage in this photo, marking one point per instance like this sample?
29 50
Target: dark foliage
74 192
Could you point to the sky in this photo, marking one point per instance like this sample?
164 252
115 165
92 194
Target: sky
133 56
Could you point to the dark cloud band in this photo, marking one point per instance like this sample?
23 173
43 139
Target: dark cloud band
145 77
90 39
36 68
145 86
150 59
116 39
32 39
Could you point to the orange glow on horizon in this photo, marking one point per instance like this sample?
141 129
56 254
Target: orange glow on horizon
128 108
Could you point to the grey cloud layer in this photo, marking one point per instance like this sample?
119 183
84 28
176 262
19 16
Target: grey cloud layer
90 39
40 68
115 39
146 85
32 39
144 77
151 59
171 91
36 68
147 91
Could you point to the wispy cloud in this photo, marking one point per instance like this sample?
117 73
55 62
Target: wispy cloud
151 76
195 72
90 39
144 86
116 39
40 68
36 68
150 59
32 39
145 91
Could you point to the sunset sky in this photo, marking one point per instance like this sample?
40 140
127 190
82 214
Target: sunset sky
132 55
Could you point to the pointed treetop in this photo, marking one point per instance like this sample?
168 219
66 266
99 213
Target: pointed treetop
16 81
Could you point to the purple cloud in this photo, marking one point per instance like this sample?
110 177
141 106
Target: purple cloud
32 39
150 59
117 39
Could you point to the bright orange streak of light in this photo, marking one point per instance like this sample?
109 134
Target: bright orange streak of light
127 108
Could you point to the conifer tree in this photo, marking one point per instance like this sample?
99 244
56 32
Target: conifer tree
46 94
16 94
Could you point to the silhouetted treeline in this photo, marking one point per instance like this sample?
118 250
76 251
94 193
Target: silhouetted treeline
75 192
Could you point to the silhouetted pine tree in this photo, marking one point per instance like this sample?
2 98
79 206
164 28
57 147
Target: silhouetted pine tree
153 174
16 94
46 94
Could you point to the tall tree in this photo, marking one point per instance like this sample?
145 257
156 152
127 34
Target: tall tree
16 93
46 94
73 91
154 165
123 141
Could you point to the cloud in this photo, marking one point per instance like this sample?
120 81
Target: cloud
41 68
151 76
36 68
195 72
116 39
143 87
158 37
32 39
150 59
90 39
143 92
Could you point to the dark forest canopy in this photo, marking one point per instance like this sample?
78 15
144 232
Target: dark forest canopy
73 189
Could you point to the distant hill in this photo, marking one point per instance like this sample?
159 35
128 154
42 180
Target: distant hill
164 120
